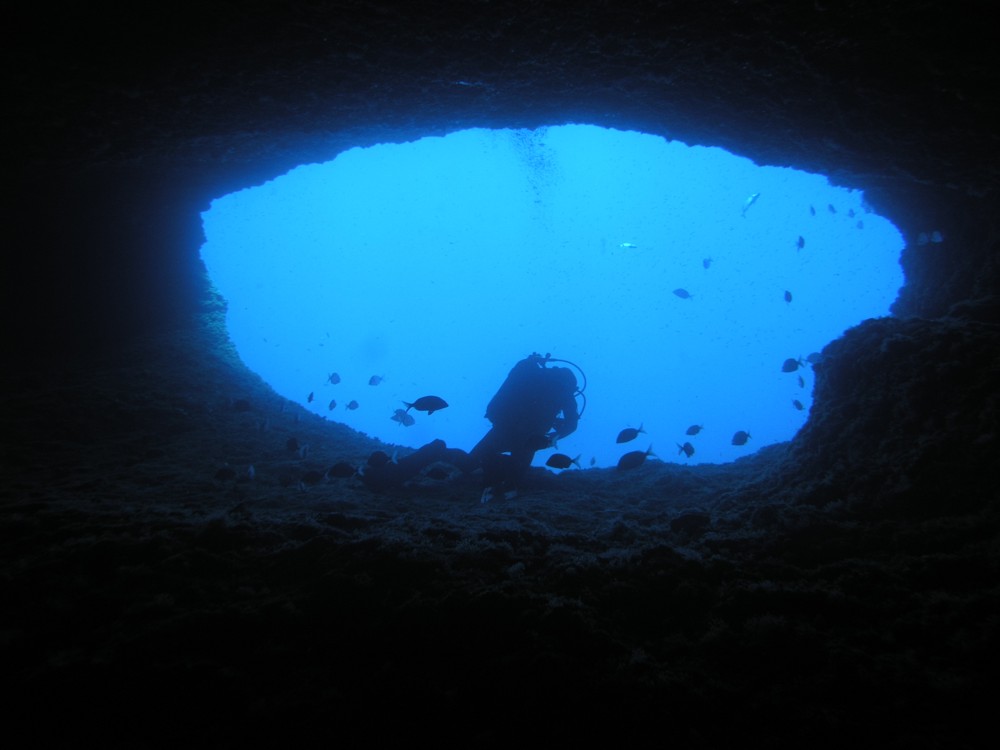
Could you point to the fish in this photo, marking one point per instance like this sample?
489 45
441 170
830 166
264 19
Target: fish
814 358
791 365
629 433
404 419
635 459
788 296
429 404
937 237
310 397
694 429
797 404
812 211
741 437
375 379
749 202
627 246
706 262
251 472
800 242
922 238
341 470
352 405
687 449
802 383
332 405
303 450
683 293
850 212
562 461
593 460
860 224
333 378
830 208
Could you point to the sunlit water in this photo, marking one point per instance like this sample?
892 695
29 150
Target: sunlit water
438 264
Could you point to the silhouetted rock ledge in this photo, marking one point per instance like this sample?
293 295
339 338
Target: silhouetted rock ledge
840 590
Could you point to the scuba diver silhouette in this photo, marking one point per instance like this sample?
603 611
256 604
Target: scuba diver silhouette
535 406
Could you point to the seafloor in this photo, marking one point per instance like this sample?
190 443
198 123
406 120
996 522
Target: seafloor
147 603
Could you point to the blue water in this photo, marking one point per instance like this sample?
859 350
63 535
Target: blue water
438 264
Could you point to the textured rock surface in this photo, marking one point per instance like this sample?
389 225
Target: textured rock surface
841 588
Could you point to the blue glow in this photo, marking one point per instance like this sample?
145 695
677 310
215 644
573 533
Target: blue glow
439 264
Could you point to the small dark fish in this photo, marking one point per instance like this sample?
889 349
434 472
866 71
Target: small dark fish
333 404
251 472
687 449
814 358
629 433
635 459
797 404
741 437
304 450
694 429
225 474
593 460
375 379
706 262
429 404
802 383
860 224
683 293
830 208
800 242
341 470
403 418
311 478
352 405
562 461
788 296
812 211
380 458
850 213
334 378
310 398
437 472
292 444
791 365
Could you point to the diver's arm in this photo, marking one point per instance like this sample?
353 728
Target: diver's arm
566 425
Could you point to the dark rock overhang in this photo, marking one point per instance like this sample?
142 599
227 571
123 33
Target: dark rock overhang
171 106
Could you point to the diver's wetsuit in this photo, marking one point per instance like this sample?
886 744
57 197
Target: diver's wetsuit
523 412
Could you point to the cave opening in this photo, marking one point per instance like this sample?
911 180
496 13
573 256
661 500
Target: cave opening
689 284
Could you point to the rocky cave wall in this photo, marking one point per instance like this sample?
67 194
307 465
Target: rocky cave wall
123 132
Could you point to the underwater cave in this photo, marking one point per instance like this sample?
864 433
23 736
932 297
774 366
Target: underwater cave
836 587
